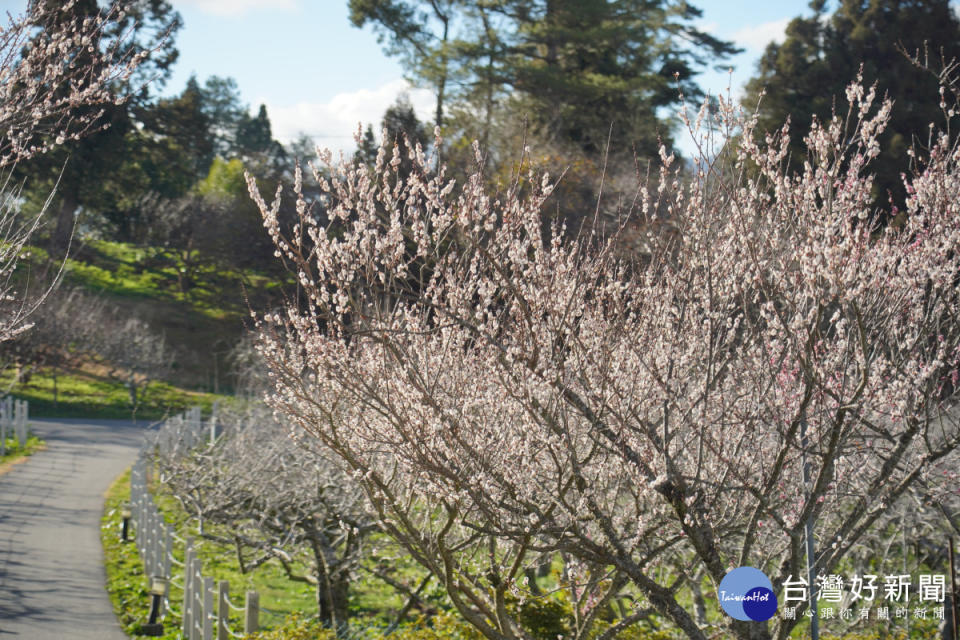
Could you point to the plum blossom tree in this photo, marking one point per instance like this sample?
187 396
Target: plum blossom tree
502 393
48 69
255 489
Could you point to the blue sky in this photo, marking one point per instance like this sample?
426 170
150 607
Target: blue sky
318 74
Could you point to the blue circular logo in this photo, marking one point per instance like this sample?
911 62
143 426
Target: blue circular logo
747 594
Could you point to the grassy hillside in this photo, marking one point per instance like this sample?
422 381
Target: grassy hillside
199 308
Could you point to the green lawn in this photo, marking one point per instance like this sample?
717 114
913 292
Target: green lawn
202 324
84 395
287 607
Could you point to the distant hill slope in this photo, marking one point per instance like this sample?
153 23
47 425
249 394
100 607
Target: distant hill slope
200 308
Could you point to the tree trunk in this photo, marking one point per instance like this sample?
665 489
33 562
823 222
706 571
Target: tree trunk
132 389
444 63
66 220
332 599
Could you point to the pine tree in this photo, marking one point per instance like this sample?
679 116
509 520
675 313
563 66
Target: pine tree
575 67
254 134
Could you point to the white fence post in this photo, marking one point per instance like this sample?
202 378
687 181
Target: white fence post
223 610
167 550
154 538
208 614
20 421
187 620
197 605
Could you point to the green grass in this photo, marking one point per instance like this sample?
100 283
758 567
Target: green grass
126 582
84 395
279 596
287 607
122 269
13 451
202 325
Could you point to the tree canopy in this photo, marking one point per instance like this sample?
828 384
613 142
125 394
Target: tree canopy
573 68
804 76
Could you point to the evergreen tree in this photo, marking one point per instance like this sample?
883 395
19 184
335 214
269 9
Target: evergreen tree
575 67
401 127
254 134
808 73
419 33
366 152
184 125
222 105
584 66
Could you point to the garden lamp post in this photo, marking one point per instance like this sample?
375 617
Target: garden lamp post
158 588
125 528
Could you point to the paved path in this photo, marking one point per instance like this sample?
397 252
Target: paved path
51 562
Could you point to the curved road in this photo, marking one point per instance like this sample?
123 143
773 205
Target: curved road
51 562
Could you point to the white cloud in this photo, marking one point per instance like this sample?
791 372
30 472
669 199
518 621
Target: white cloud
233 8
332 124
757 37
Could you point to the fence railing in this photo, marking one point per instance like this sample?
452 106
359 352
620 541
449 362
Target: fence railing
13 421
155 538
192 432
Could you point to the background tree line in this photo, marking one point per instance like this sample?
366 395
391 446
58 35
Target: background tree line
590 88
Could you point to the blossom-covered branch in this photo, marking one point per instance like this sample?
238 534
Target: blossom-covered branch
502 392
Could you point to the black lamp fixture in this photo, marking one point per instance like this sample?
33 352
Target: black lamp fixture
158 588
126 514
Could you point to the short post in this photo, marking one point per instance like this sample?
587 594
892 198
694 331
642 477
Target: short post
16 423
251 612
158 588
213 429
187 620
208 614
125 513
223 610
21 413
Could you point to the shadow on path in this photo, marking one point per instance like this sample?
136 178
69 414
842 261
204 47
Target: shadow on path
51 562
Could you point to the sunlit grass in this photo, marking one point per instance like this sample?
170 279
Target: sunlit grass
81 394
14 450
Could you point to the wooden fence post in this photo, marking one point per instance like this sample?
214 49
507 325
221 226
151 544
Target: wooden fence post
223 611
251 612
208 615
